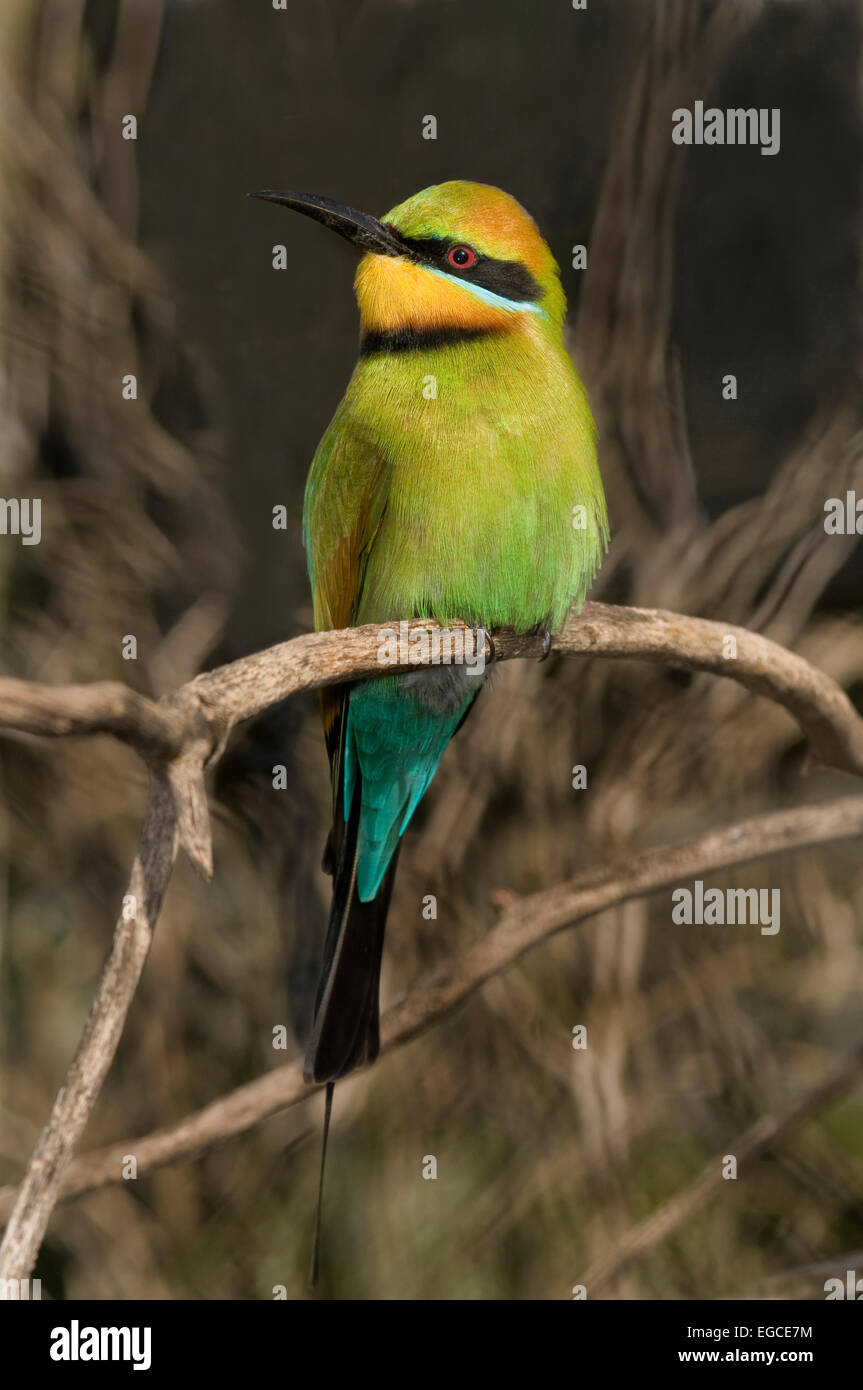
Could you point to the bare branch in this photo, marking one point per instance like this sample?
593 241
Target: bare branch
185 732
822 709
523 924
245 688
105 707
38 1193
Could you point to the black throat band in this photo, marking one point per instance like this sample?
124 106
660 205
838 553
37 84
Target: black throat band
416 339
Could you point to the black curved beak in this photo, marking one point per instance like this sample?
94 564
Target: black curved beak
357 227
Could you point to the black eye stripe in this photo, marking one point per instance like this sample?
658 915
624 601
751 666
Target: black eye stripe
510 279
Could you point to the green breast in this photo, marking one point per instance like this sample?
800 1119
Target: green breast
494 510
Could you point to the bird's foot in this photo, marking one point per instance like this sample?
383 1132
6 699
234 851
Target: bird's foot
542 630
478 629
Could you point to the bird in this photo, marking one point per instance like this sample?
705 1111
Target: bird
458 480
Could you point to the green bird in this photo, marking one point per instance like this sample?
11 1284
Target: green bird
457 480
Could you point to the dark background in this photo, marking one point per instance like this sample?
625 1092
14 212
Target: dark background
332 101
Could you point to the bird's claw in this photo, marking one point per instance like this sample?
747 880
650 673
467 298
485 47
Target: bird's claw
542 630
478 628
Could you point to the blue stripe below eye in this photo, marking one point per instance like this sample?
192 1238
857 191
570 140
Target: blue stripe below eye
488 296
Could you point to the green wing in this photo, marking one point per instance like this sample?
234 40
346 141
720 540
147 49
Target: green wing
346 495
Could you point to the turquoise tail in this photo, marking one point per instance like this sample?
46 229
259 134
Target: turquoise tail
398 730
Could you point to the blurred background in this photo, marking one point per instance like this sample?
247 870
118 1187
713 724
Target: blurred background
146 257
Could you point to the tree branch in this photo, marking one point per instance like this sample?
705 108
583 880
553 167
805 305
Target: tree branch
220 699
133 933
523 924
105 707
826 716
183 733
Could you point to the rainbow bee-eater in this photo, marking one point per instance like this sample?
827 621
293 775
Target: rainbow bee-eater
457 480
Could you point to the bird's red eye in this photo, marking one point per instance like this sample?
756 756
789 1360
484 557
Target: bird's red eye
462 257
